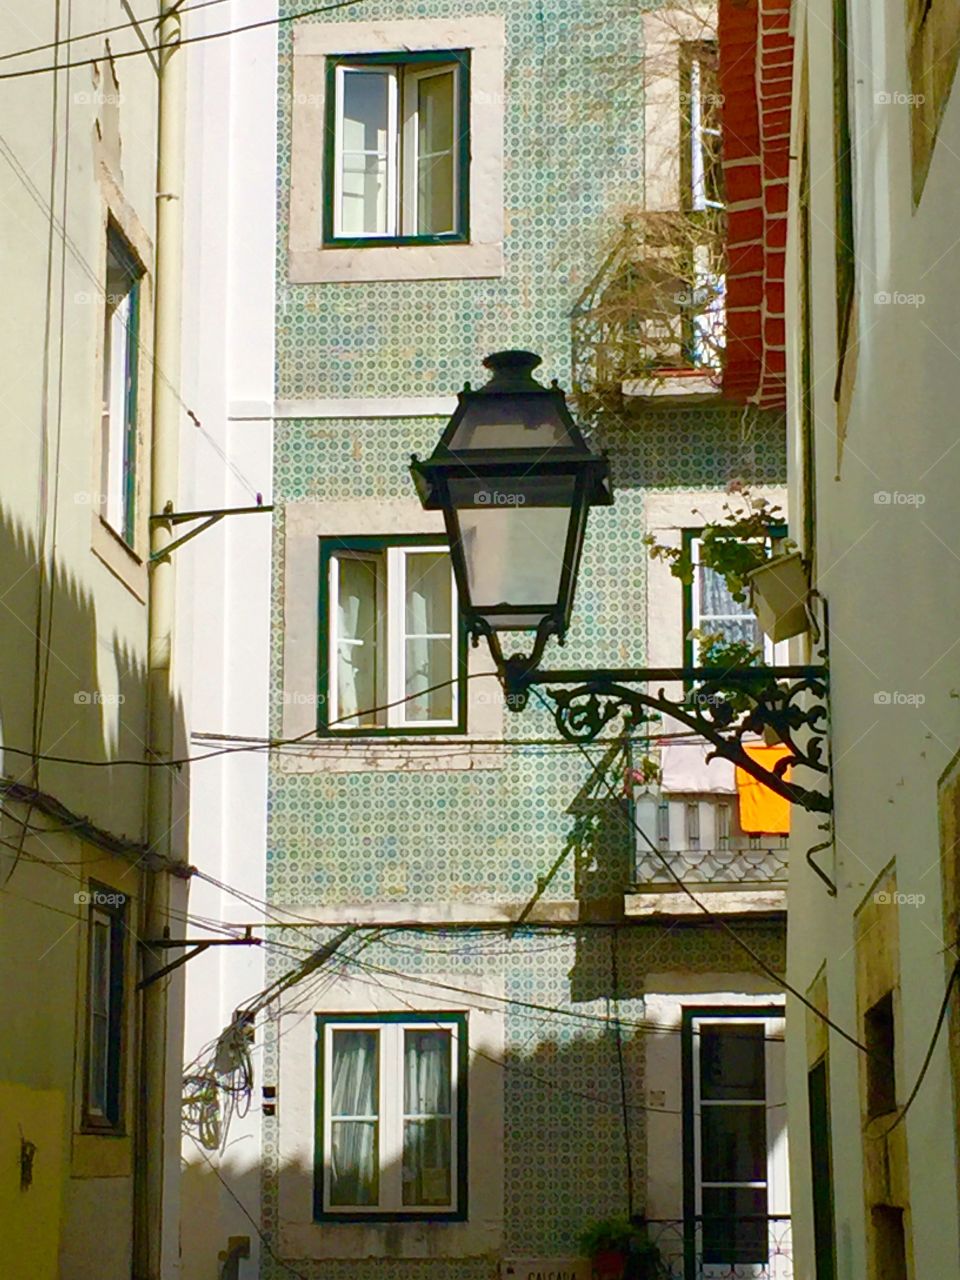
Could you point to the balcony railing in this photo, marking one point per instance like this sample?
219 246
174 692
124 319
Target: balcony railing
735 1249
745 866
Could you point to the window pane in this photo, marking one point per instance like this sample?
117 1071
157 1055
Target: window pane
354 1143
365 145
733 1143
732 1062
426 1071
359 638
426 1162
427 1154
99 998
715 597
435 154
735 1225
429 663
365 107
429 600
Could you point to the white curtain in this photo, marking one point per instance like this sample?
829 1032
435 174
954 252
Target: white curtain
354 1159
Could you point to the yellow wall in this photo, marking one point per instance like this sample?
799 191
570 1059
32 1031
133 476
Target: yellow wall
30 1220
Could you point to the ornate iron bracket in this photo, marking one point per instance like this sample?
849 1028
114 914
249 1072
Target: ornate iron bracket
786 704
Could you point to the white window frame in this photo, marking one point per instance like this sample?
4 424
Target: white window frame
391 1116
391 658
777 1266
773 654
698 133
402 201
392 77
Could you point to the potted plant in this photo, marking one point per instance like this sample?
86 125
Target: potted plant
748 550
621 1248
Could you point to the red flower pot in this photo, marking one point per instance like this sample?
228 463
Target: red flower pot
609 1263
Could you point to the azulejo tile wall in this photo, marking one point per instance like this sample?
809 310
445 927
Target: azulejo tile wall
574 155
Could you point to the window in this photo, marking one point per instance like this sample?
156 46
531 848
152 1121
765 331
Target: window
393 654
821 1169
881 1066
397 148
103 1067
736 1177
392 1107
710 608
120 390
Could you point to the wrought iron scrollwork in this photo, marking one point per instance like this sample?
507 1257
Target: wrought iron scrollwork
787 706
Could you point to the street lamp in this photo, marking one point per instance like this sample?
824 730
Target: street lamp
515 481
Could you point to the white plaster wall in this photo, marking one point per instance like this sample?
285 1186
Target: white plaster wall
889 574
224 574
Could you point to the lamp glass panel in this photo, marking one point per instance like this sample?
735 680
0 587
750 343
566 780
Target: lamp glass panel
529 421
514 549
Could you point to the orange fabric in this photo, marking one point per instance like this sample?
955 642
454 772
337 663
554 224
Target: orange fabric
762 811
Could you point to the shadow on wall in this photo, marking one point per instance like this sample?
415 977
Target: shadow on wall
564 1166
91 692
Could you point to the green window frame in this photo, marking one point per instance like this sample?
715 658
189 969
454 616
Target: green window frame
395 164
372 1094
392 643
104 1039
691 614
121 352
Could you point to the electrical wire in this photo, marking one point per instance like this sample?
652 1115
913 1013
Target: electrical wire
183 40
718 921
103 31
941 1016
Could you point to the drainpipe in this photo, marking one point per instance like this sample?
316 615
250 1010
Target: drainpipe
156 1230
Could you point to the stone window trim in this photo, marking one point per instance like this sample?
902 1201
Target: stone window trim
301 1236
126 561
309 260
305 524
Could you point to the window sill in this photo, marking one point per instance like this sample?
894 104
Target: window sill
399 260
122 561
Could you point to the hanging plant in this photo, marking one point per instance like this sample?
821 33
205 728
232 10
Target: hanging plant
744 539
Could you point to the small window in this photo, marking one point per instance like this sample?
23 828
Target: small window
392 1117
393 656
881 1069
120 387
710 608
844 243
692 824
398 148
103 1067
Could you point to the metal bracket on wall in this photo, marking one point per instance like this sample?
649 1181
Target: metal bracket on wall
785 705
197 945
208 518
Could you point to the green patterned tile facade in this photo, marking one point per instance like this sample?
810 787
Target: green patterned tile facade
574 155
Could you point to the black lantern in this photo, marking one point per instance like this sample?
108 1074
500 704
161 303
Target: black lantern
514 479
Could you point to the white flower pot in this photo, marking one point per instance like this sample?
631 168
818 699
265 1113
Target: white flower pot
778 596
